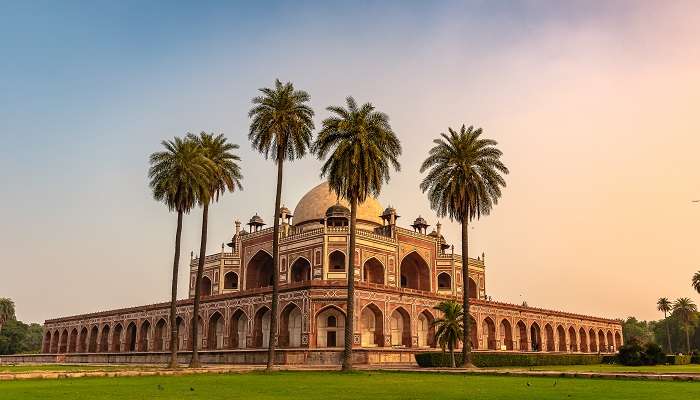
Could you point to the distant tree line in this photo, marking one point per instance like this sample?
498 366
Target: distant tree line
16 336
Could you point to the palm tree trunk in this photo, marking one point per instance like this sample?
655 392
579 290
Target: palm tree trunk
452 355
668 334
272 343
350 317
467 347
173 294
194 362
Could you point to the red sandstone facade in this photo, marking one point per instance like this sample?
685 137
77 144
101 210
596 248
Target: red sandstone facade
400 275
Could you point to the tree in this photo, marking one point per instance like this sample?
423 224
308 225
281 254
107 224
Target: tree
449 327
696 281
178 176
7 311
361 149
18 337
225 175
464 181
664 305
685 309
640 331
281 129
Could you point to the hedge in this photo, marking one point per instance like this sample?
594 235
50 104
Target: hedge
695 359
678 360
440 359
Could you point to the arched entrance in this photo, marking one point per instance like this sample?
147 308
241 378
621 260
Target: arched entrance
561 334
549 337
593 343
231 280
92 341
54 342
205 289
300 270
239 330
73 341
181 329
130 338
371 326
415 273
400 328
160 335
117 338
583 341
535 337
573 342
144 339
610 342
506 335
473 339
83 340
330 326
444 281
104 339
618 341
46 345
426 329
215 337
63 344
473 292
521 331
261 328
373 271
290 326
259 271
489 333
336 261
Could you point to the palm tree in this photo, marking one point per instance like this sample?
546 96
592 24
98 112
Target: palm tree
685 309
225 176
464 181
7 311
178 176
450 327
361 149
696 281
281 128
664 305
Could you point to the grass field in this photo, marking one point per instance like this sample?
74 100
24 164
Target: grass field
661 369
335 385
66 368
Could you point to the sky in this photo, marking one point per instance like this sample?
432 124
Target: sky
595 105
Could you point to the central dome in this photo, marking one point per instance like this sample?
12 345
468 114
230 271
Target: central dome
313 205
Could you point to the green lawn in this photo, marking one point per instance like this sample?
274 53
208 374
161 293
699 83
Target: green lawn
674 369
66 368
335 385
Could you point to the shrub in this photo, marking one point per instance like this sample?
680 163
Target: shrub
653 354
630 353
440 359
679 360
695 359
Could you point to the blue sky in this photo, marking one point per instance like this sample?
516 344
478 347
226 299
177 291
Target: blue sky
575 92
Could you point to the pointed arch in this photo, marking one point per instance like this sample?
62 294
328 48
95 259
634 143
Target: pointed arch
561 336
426 329
83 340
231 281
618 340
473 291
238 332
506 334
130 338
371 326
536 337
46 346
415 272
473 337
336 261
489 333
444 281
72 341
144 336
521 331
300 270
181 330
592 341
117 338
548 337
611 347
63 344
400 327
290 326
259 270
373 271
160 335
104 339
573 340
261 327
601 341
54 342
330 326
205 288
583 340
215 331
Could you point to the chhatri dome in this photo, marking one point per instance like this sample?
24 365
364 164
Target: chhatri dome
313 206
